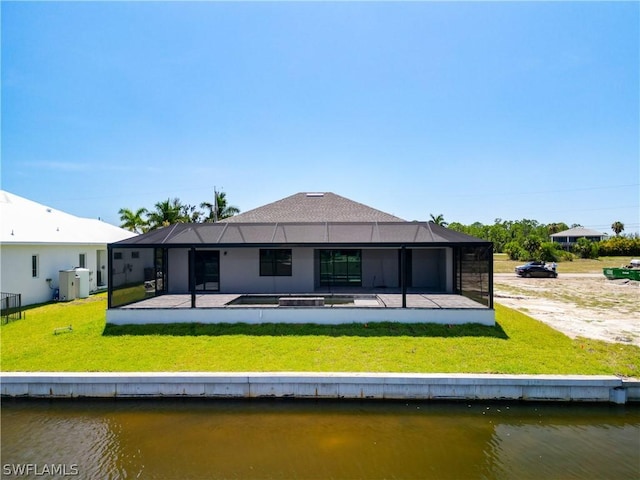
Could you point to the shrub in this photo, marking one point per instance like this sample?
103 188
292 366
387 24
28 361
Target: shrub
515 251
620 246
586 249
565 256
549 252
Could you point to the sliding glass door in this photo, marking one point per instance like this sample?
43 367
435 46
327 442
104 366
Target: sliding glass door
341 268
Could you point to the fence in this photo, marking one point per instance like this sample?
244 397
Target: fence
11 307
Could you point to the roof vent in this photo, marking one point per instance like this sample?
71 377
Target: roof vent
315 194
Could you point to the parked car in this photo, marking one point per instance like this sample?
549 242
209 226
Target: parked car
536 269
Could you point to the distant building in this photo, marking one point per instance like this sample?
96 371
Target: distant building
37 242
567 238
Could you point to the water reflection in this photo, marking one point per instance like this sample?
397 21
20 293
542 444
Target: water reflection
319 440
36 434
540 452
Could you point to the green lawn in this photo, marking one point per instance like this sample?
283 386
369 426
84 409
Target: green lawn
518 344
502 264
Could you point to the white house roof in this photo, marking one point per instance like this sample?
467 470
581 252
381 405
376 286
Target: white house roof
579 232
23 221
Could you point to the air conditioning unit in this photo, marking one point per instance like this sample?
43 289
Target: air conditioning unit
82 282
67 282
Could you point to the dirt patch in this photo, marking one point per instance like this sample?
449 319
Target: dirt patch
579 305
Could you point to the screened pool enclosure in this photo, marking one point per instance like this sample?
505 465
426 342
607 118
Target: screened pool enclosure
205 264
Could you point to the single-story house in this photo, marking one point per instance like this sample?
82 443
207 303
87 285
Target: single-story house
38 242
310 257
567 238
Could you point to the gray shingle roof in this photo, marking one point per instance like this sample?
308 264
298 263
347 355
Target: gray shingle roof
314 207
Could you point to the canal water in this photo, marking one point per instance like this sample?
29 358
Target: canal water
308 439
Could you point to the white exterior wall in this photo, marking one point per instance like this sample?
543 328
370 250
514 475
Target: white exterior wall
319 315
16 274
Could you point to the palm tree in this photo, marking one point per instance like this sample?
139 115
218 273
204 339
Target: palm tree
617 227
190 214
166 213
220 209
133 221
556 227
438 220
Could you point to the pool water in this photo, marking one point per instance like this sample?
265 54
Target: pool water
329 300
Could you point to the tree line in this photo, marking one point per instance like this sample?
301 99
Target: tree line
170 211
530 240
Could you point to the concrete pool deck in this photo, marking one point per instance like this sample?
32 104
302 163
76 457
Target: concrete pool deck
382 386
382 307
384 300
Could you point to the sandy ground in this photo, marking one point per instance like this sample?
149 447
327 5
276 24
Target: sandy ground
579 305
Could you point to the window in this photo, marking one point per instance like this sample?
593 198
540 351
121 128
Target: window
340 267
275 263
82 260
135 254
34 265
117 255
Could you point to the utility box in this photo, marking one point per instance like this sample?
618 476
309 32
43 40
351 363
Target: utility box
67 281
82 282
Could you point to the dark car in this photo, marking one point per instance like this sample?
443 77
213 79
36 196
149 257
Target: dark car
536 269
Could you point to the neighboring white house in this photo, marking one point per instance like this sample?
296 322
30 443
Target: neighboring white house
569 237
37 242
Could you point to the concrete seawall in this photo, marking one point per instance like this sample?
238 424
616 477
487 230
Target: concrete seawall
561 388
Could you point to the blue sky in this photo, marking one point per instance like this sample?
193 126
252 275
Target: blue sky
476 111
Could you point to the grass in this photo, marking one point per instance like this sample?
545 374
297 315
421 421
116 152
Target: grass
502 264
122 296
518 344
